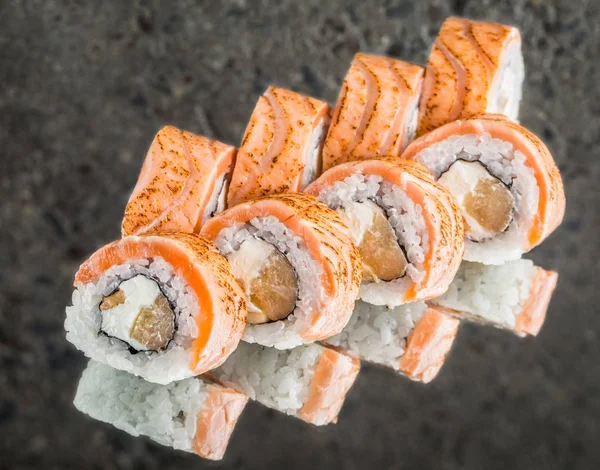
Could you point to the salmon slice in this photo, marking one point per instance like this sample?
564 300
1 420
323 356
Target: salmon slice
334 375
474 67
514 296
412 339
179 184
444 227
376 111
222 315
551 204
428 345
281 148
309 382
532 316
216 421
326 239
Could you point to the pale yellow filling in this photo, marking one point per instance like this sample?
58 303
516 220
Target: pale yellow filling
383 258
139 314
268 279
486 203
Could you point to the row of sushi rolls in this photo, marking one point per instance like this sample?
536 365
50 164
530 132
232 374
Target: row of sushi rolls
363 232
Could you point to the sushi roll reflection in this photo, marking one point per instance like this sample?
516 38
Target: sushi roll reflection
503 177
297 264
309 382
183 182
281 148
474 67
164 306
407 227
513 296
412 339
193 415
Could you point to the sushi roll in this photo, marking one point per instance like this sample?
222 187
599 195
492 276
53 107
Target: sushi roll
309 382
163 306
408 228
297 264
281 148
474 67
183 182
193 415
512 296
412 339
504 179
376 112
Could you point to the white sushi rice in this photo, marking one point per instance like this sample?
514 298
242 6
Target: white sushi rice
166 414
286 333
312 159
505 96
216 203
405 217
493 295
84 320
278 379
378 334
508 165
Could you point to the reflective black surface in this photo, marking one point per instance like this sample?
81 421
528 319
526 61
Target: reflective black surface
83 88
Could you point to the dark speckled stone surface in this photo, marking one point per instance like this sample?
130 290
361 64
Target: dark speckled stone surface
83 88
